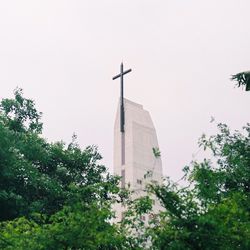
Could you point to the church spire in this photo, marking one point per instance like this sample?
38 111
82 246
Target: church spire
122 113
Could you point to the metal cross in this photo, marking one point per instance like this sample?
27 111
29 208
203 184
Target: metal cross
122 113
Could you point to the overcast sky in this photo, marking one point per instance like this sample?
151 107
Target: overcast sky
182 53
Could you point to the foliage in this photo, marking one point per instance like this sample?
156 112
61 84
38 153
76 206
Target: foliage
52 195
213 211
57 196
133 222
20 114
243 79
78 226
37 176
156 152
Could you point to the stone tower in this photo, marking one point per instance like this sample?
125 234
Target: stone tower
134 157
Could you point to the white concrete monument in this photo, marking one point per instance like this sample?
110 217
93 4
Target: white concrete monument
136 148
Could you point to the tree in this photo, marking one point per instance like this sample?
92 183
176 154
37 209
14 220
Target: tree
79 225
20 113
57 196
37 176
213 212
52 195
243 79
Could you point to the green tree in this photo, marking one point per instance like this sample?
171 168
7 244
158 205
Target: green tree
80 225
243 79
37 176
52 195
213 212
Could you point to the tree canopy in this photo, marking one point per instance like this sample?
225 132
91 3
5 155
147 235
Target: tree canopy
213 211
243 79
37 176
52 195
58 196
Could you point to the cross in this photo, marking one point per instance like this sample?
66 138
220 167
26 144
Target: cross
122 113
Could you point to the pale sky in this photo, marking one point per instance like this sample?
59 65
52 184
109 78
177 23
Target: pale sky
182 54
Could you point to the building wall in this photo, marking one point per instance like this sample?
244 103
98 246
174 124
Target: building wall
141 166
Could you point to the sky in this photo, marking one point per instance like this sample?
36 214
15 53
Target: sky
63 54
